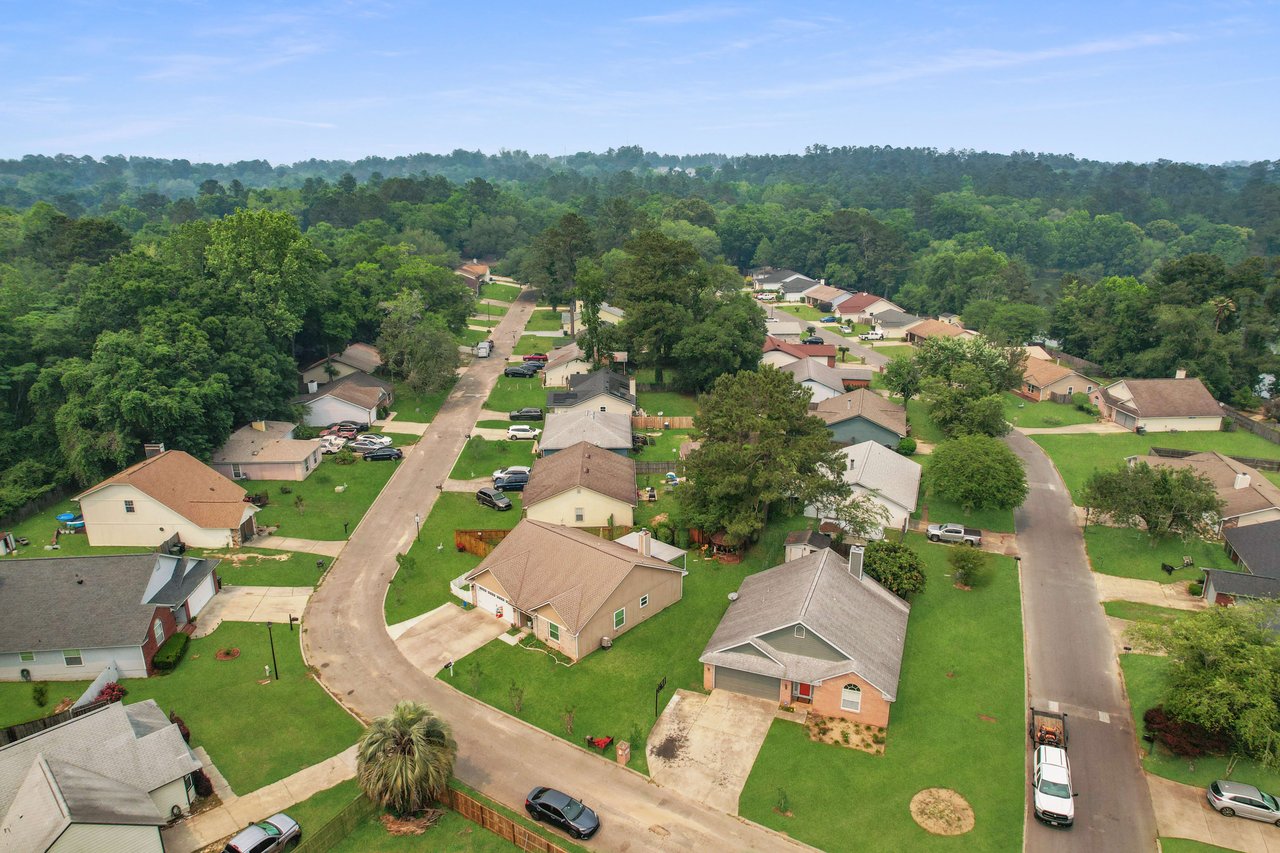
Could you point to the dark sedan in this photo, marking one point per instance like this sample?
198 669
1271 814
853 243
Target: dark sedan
527 414
493 498
561 810
521 371
383 454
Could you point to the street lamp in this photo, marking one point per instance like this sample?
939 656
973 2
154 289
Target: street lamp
274 667
417 526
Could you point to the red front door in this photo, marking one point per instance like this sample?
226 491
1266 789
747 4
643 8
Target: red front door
804 692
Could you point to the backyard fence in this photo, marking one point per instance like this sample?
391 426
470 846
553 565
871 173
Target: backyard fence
655 422
499 824
32 507
478 542
1266 431
339 826
1252 462
676 466
11 734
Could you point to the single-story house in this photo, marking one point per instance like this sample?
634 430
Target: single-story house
168 493
474 274
824 297
793 289
582 486
893 324
1042 378
1255 548
779 352
364 358
786 330
1224 588
1159 405
926 329
815 631
563 362
105 781
1247 496
886 477
789 285
608 430
826 382
68 617
266 450
354 397
863 415
948 317
574 590
601 390
802 543
860 307
611 314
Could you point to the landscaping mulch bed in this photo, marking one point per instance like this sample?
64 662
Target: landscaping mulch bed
411 825
840 732
942 811
227 654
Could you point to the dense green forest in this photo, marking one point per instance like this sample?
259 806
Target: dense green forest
147 299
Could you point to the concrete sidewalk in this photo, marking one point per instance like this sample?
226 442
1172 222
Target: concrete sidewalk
308 546
1182 811
236 813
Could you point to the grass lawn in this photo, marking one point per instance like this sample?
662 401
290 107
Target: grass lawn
488 309
17 706
513 393
543 320
943 510
1128 553
892 350
494 290
1136 611
1023 413
529 344
471 337
1146 679
41 527
1273 476
481 320
324 510
612 692
495 424
480 457
415 407
922 426
801 311
260 567
1186 845
666 446
321 807
957 723
1078 456
422 581
670 403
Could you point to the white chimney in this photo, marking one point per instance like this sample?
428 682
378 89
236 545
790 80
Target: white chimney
1242 480
260 426
1180 373
154 449
643 543
855 556
312 386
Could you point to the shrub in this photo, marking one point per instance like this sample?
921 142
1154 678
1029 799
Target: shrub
665 533
344 457
967 565
303 432
182 727
907 446
286 490
1189 740
682 538
1080 399
203 786
166 659
1195 588
112 691
40 693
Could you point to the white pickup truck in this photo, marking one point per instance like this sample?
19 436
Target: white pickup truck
952 532
875 335
1052 797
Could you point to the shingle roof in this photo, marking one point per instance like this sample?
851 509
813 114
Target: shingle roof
1041 373
857 302
894 317
797 284
564 355
185 485
1243 584
585 386
853 613
273 444
811 369
798 350
585 465
876 467
610 430
1224 472
359 388
867 404
936 329
1167 398
362 357
812 538
825 293
90 602
540 563
1258 546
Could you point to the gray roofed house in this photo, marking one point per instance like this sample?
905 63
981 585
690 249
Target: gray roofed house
1159 405
1256 548
815 631
609 430
266 450
884 476
356 396
863 415
825 382
603 389
801 543
1224 587
891 319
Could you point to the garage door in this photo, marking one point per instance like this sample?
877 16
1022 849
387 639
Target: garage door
198 599
764 686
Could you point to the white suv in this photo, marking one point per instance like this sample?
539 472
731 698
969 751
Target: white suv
518 431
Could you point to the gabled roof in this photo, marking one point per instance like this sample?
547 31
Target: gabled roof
1258 546
796 283
812 538
564 355
936 329
1165 398
360 356
272 444
91 602
849 611
1243 584
873 466
358 388
798 350
1224 472
475 269
585 386
539 564
585 465
859 302
894 317
863 403
185 485
825 293
610 430
811 369
1041 373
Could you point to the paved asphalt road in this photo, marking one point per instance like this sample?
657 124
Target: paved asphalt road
874 359
1071 661
345 637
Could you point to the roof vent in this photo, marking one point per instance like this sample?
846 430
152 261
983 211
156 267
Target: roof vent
1180 373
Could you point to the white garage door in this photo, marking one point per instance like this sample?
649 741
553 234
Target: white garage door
492 603
198 599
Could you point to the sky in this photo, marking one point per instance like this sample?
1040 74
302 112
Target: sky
222 81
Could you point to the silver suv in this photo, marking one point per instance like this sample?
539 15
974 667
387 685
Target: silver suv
278 832
1236 798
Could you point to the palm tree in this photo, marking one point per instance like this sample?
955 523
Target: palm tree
843 350
405 759
1222 307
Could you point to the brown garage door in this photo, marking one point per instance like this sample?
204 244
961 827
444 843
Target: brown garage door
764 686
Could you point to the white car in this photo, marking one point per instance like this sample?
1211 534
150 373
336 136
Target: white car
332 443
512 469
380 440
1053 799
519 431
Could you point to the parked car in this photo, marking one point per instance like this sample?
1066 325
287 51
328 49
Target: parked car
360 445
380 439
561 810
358 426
341 430
874 335
484 349
511 482
512 469
516 432
813 339
766 296
830 318
952 532
1236 798
278 832
332 443
383 454
521 371
1053 801
493 498
529 413
536 356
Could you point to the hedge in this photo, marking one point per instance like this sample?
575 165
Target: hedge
167 657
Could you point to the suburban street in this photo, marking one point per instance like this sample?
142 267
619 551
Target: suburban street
874 359
1072 667
345 638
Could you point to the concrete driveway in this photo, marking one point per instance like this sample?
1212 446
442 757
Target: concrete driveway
252 604
704 746
447 633
1182 811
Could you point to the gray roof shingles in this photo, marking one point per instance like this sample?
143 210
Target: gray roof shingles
584 386
1258 546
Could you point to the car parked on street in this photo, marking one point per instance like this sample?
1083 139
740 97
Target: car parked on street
563 811
512 469
529 413
830 318
813 339
278 832
1053 800
493 498
1231 799
383 454
511 482
536 356
525 370
515 432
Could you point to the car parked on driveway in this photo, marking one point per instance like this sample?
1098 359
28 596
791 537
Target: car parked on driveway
493 498
830 318
875 335
512 469
511 482
383 454
519 431
536 356
278 832
524 370
1236 798
563 811
376 437
952 532
529 413
332 443
361 445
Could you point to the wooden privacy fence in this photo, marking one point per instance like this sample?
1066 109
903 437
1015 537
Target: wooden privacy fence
23 730
661 467
1270 433
338 827
655 422
478 542
499 824
1252 462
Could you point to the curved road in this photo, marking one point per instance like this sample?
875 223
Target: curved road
344 635
1071 661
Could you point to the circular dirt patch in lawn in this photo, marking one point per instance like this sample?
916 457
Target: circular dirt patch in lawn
228 654
942 811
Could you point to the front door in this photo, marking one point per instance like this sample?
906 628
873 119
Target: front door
802 692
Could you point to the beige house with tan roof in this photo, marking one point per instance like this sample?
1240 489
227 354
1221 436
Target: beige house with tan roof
266 450
1041 379
169 493
1159 405
575 591
1247 496
364 358
582 486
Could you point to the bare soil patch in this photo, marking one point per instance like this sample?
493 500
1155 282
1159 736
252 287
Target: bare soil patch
942 811
411 825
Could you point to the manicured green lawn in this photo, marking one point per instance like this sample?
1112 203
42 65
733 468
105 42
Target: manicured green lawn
666 445
922 426
513 393
261 567
1136 611
318 809
1024 413
481 320
529 344
1146 680
418 408
323 510
543 320
957 723
942 510
612 691
892 350
1186 845
40 529
1273 476
670 403
801 311
481 456
422 581
494 290
471 337
488 309
17 706
1130 553
1078 456
499 424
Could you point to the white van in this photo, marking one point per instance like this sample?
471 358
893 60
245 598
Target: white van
483 349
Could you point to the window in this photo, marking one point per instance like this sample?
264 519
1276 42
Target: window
553 631
644 601
27 657
237 473
71 657
579 513
128 506
603 409
306 464
619 618
851 698
157 631
799 632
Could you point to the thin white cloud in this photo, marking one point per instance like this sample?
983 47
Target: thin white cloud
690 15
